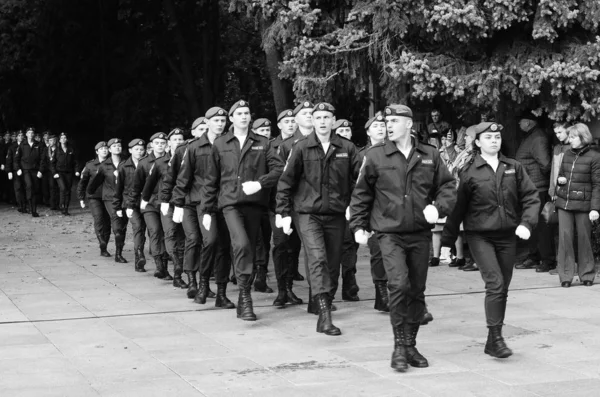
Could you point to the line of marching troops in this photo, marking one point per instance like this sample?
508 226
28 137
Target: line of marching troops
211 204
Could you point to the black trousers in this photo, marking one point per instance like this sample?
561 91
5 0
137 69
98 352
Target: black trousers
377 268
569 222
193 239
138 227
174 236
243 222
349 254
155 231
263 242
282 258
405 258
541 243
65 184
118 224
323 236
101 221
50 190
19 186
5 187
32 184
494 254
216 251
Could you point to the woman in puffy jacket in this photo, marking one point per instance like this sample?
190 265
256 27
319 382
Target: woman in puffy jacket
578 203
64 167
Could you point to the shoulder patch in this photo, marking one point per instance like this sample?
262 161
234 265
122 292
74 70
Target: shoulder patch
341 155
510 171
258 147
427 161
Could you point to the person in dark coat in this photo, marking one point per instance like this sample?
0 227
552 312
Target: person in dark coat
497 202
99 212
17 180
578 203
27 163
403 189
50 189
64 166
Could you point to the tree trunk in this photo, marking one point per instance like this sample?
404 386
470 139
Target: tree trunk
212 73
283 95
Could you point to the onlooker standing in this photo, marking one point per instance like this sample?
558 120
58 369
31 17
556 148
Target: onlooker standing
436 129
578 203
534 154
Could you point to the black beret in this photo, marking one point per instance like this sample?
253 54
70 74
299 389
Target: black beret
487 126
215 111
374 119
113 141
261 123
30 129
239 104
284 114
53 136
159 135
99 145
64 134
398 110
198 121
303 105
175 131
341 123
136 142
324 107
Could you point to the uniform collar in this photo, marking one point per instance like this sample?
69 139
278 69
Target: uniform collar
251 135
203 140
391 148
334 139
480 161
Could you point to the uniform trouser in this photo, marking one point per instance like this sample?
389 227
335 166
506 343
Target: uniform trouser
101 221
138 227
31 185
349 254
193 239
405 258
243 222
155 232
174 236
263 242
495 256
5 187
50 190
377 269
282 261
118 224
216 250
295 246
323 236
19 185
541 243
568 223
65 183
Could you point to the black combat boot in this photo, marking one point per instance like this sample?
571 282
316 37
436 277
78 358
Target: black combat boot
350 288
222 300
103 251
244 307
119 255
202 291
192 284
382 297
495 345
260 283
33 208
413 357
399 362
165 268
313 306
178 272
158 261
282 297
324 324
140 261
291 297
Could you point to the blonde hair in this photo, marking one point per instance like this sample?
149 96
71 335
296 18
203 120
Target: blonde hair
583 132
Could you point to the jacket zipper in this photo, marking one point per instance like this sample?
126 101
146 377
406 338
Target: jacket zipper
570 179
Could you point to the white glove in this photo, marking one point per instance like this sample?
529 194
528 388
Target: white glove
2 167
178 215
10 176
164 208
77 174
594 215
56 176
120 213
278 221
361 237
251 187
431 214
206 221
143 204
19 173
82 203
129 212
39 175
523 232
286 224
348 213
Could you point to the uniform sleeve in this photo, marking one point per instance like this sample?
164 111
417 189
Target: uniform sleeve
151 182
355 164
529 199
117 198
275 165
184 178
288 181
541 153
595 174
53 162
17 158
83 182
139 178
210 190
452 225
445 188
169 179
97 180
9 160
363 196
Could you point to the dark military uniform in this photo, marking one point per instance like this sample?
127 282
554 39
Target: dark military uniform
99 212
50 189
28 160
65 164
17 180
4 185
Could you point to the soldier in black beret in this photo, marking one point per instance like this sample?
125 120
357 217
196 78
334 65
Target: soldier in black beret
64 166
28 164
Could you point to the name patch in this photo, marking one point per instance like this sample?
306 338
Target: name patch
509 171
257 147
427 161
341 155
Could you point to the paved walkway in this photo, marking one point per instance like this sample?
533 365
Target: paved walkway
75 324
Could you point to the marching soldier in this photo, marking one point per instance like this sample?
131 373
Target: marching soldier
63 167
13 175
50 190
107 177
242 168
99 212
27 163
403 188
316 184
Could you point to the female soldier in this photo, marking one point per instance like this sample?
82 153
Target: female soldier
496 201
62 166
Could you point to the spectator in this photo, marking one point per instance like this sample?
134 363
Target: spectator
436 129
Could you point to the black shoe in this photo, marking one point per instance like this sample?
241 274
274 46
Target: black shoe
382 297
260 283
565 284
202 291
118 255
324 323
495 345
434 262
413 357
233 280
470 268
140 261
192 285
350 288
588 283
245 311
35 215
427 318
105 253
459 262
291 296
179 283
165 268
527 264
399 362
543 267
298 277
281 298
347 296
222 301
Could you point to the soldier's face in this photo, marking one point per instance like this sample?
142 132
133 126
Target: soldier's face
137 152
52 142
200 130
30 135
115 148
489 142
323 121
346 132
159 146
435 116
217 124
263 131
240 118
376 132
397 127
63 139
102 152
304 118
20 137
287 126
175 141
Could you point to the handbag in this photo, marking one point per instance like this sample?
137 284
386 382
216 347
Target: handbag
549 213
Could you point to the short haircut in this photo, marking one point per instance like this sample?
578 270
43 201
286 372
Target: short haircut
583 132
